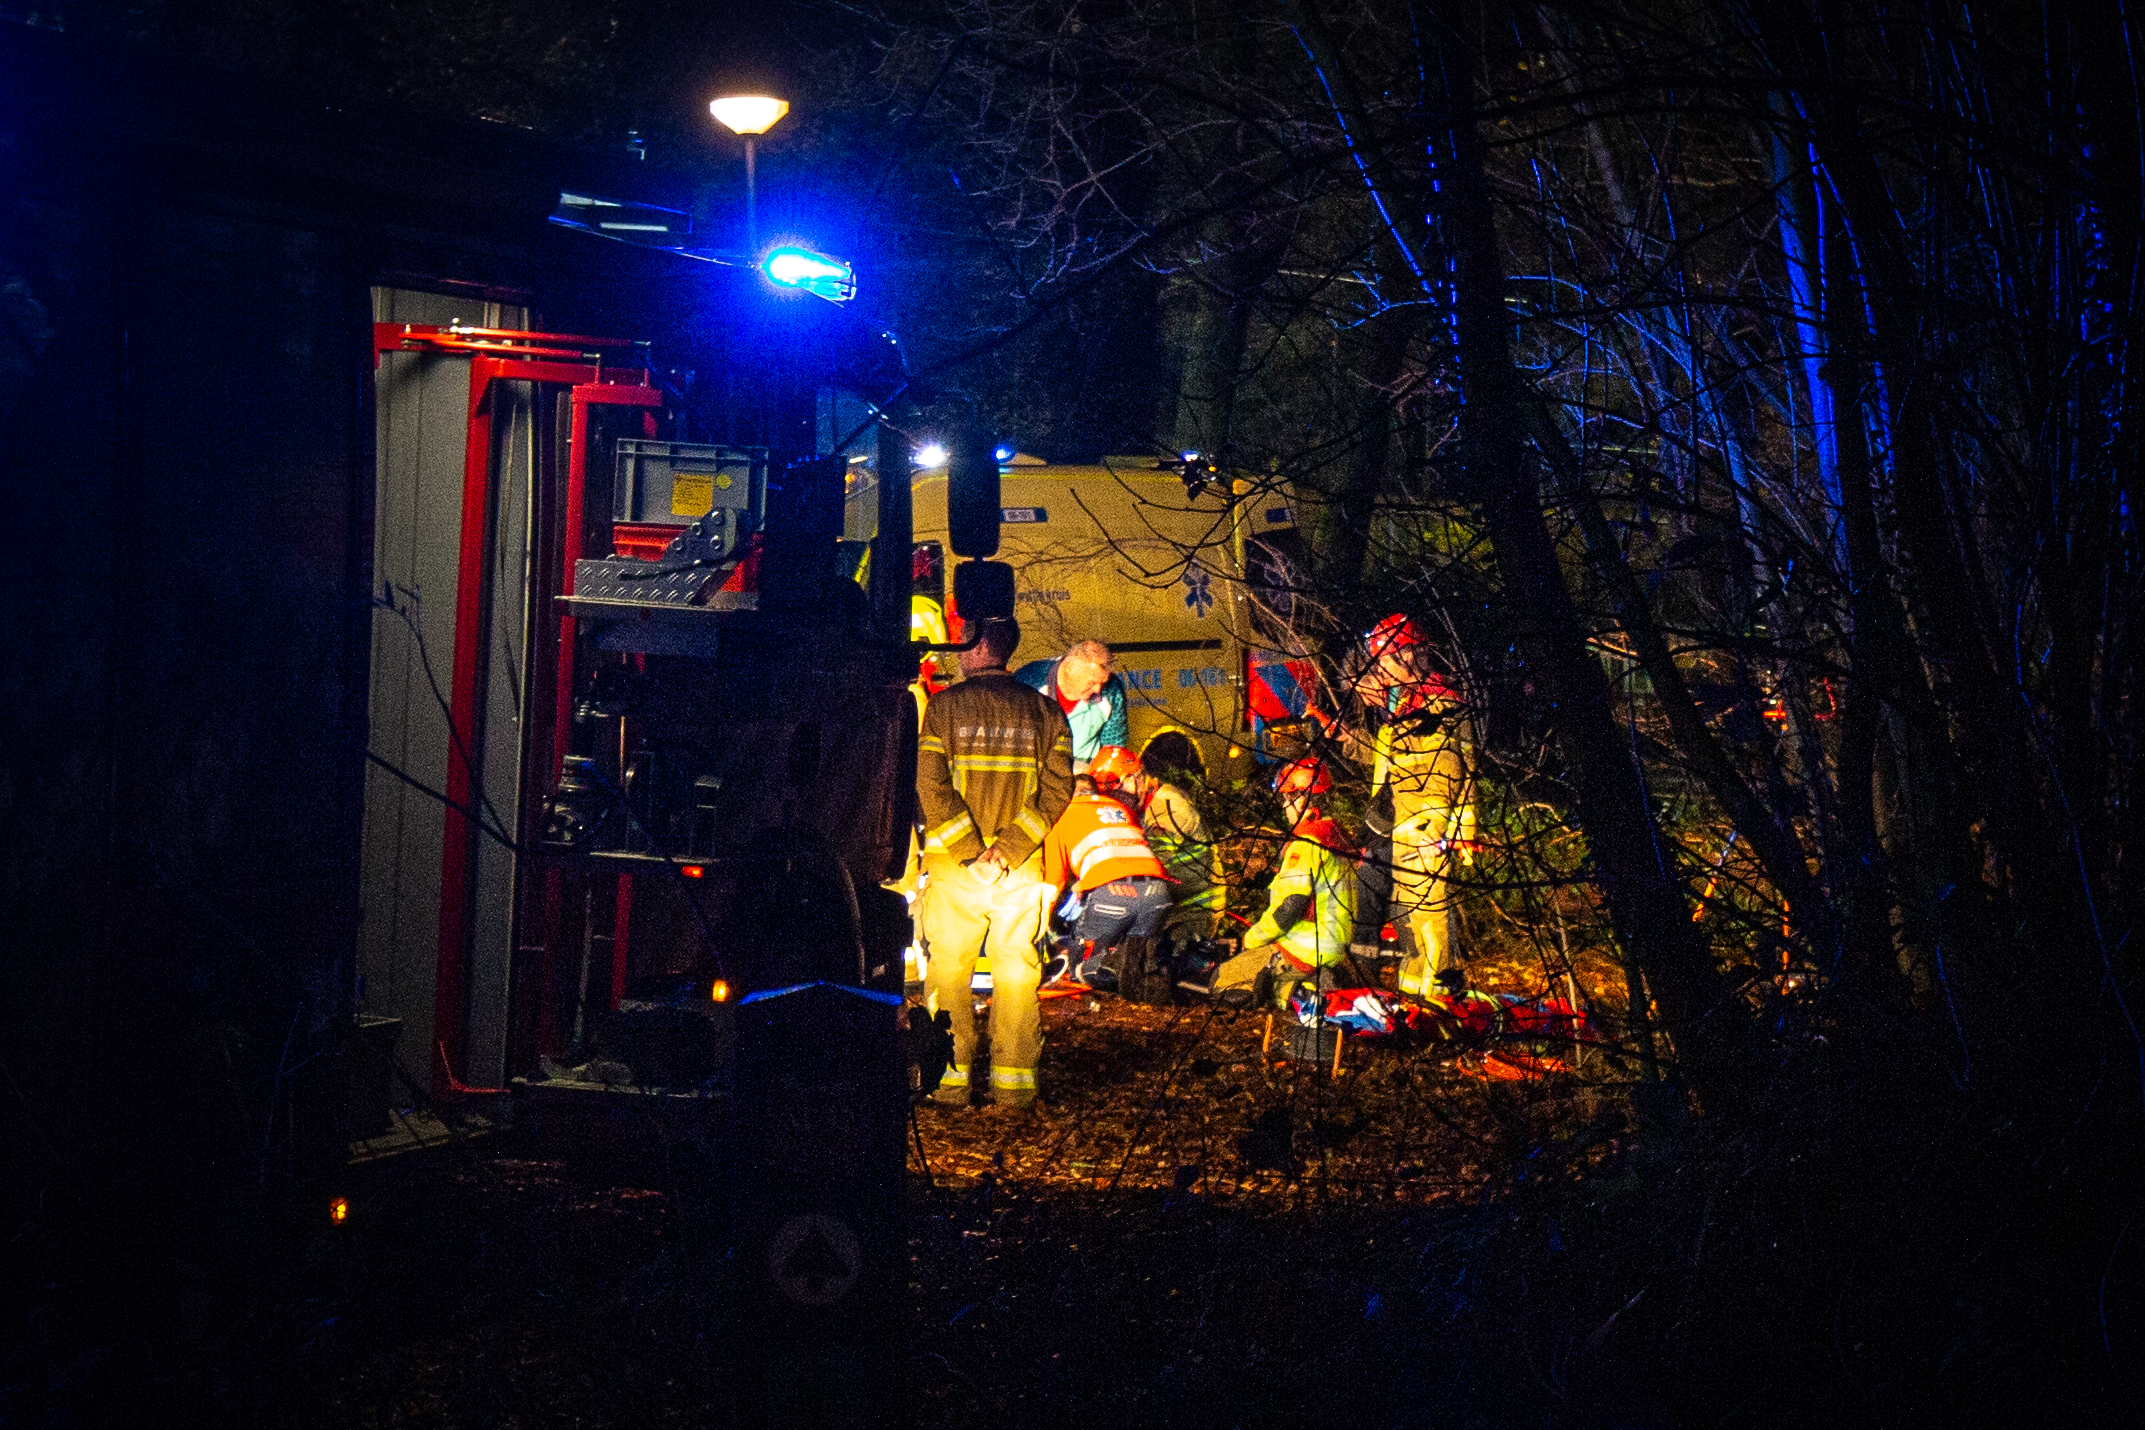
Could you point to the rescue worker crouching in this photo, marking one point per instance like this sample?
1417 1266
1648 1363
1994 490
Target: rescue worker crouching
993 773
1097 845
1310 908
1175 833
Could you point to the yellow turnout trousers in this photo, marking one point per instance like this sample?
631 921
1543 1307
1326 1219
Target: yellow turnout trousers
1433 811
961 910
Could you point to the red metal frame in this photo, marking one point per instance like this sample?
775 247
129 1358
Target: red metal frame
432 337
499 355
621 927
585 396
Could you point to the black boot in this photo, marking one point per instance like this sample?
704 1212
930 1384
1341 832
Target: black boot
1147 977
1100 971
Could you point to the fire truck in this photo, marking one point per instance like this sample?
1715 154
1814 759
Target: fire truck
362 778
663 750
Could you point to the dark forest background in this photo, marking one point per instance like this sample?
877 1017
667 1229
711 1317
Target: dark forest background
1738 391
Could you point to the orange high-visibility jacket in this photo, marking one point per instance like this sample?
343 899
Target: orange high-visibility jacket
1094 841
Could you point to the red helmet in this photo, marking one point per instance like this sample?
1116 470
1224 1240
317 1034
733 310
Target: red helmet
1111 764
1306 776
1392 635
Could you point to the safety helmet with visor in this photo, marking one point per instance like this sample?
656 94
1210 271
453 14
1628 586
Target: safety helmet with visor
1396 633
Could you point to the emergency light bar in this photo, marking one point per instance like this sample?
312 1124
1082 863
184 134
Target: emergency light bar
815 273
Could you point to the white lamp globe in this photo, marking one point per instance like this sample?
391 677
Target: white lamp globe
748 113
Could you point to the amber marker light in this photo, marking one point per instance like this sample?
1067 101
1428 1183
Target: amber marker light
721 991
339 1210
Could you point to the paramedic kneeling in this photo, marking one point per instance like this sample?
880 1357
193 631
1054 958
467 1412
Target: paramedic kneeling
1098 846
1175 833
1311 902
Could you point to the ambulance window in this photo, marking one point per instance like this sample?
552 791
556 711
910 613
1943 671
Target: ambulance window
928 563
1275 569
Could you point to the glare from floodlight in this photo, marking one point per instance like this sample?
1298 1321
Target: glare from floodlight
748 113
930 454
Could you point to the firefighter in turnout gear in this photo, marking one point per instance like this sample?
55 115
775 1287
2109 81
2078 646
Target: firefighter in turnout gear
1097 845
1310 907
1175 833
993 773
1420 762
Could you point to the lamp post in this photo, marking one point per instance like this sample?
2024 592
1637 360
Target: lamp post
750 116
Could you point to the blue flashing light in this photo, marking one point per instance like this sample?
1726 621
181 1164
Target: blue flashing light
1003 454
815 273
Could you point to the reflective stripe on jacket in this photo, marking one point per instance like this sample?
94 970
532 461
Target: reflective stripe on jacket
1424 729
993 767
1178 838
1317 863
1422 758
1094 841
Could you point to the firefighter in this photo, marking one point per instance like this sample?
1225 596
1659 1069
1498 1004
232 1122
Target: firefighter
929 623
993 773
1097 846
1174 832
1092 698
1310 904
1420 763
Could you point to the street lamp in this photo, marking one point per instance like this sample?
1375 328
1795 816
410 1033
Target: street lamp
749 115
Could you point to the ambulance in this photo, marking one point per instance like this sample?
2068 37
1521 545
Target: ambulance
1159 560
1148 557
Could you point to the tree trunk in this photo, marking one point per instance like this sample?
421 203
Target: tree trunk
1338 526
1771 839
1646 903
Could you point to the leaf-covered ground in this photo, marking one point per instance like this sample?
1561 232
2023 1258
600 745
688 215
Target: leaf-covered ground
1195 1100
1187 1233
1186 1228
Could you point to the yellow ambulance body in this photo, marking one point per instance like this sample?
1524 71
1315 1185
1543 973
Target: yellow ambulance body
1124 554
